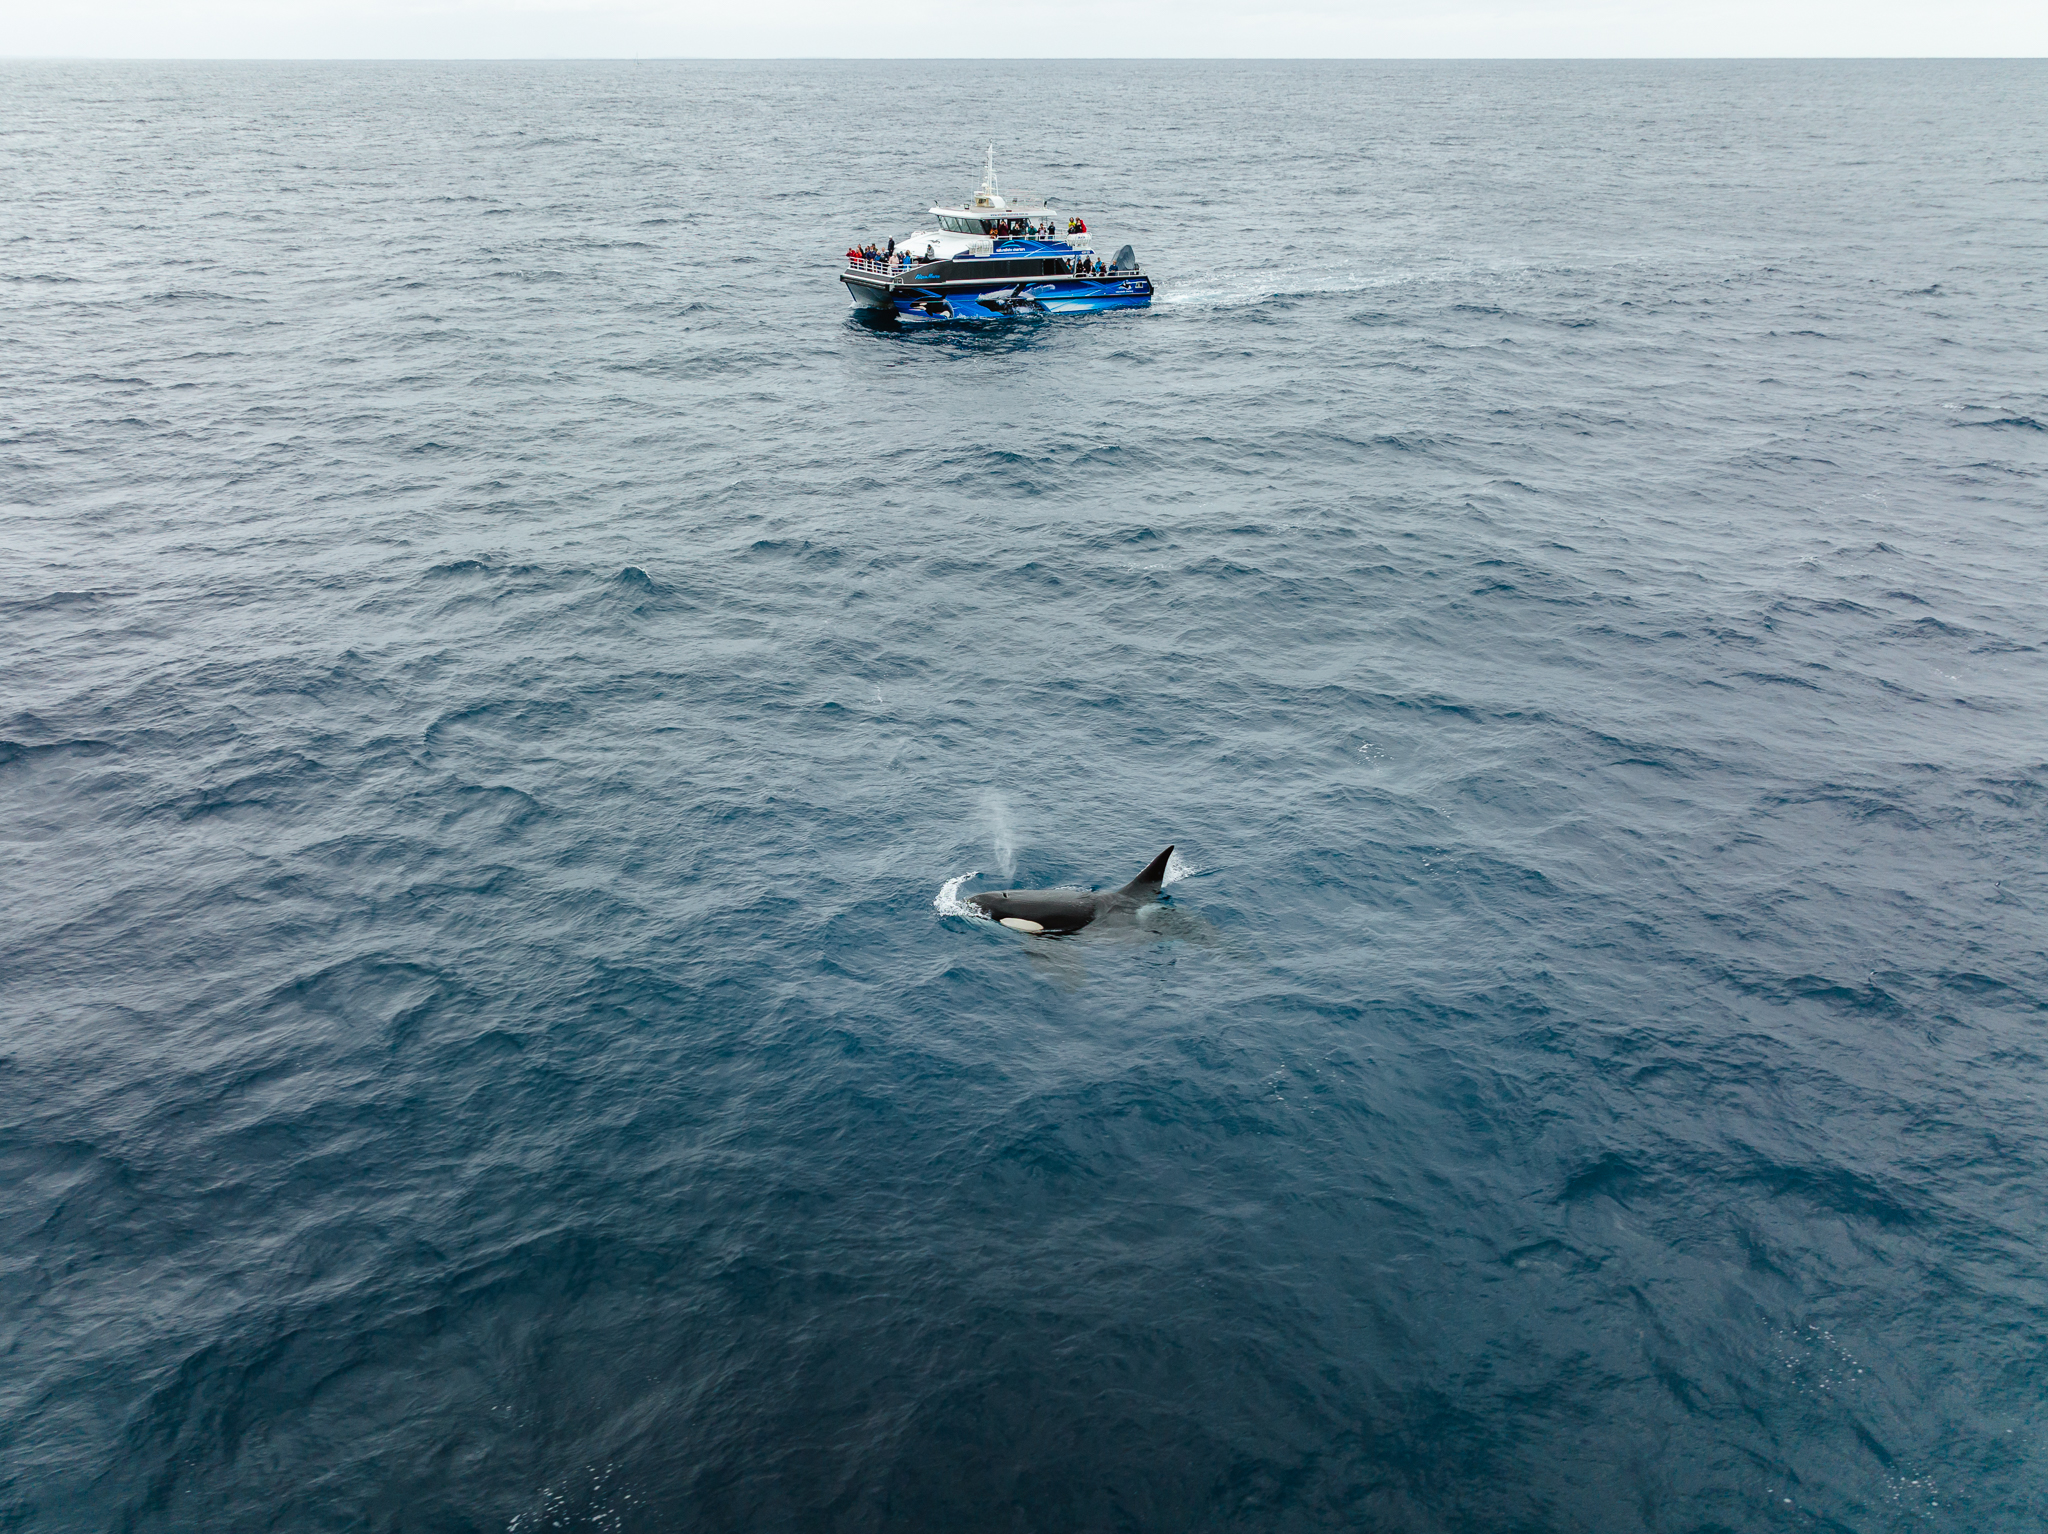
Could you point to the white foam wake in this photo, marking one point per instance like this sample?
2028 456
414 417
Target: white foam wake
1177 869
949 903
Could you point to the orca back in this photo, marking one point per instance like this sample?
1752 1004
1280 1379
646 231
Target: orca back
1054 910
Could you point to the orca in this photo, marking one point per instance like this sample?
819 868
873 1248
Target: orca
1054 912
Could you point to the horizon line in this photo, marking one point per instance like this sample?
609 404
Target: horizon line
1108 58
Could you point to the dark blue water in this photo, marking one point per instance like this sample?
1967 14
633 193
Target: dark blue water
499 669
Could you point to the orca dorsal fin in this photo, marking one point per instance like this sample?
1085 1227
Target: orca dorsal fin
1148 882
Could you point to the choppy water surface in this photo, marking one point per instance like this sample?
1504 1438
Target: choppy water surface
500 669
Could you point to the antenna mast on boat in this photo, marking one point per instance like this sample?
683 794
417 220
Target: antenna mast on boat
988 182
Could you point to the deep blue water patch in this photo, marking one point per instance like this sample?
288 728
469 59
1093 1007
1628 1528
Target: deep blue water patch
500 668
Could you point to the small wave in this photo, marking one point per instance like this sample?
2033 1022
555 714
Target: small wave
1777 678
948 902
57 599
1931 628
16 751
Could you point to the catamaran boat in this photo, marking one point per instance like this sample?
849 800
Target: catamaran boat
996 257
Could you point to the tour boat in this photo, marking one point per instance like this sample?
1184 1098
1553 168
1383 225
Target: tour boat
996 257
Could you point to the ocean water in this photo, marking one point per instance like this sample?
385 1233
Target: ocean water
505 683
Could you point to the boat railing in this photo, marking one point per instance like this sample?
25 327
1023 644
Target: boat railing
886 268
871 267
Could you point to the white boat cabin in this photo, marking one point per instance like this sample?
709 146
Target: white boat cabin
973 229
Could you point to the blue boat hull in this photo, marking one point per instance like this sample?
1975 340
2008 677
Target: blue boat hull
939 303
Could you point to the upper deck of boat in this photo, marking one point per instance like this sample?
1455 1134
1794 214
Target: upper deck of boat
1005 230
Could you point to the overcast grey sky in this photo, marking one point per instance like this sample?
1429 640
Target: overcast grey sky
1018 28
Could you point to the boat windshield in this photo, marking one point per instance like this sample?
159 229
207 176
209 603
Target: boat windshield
1009 227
